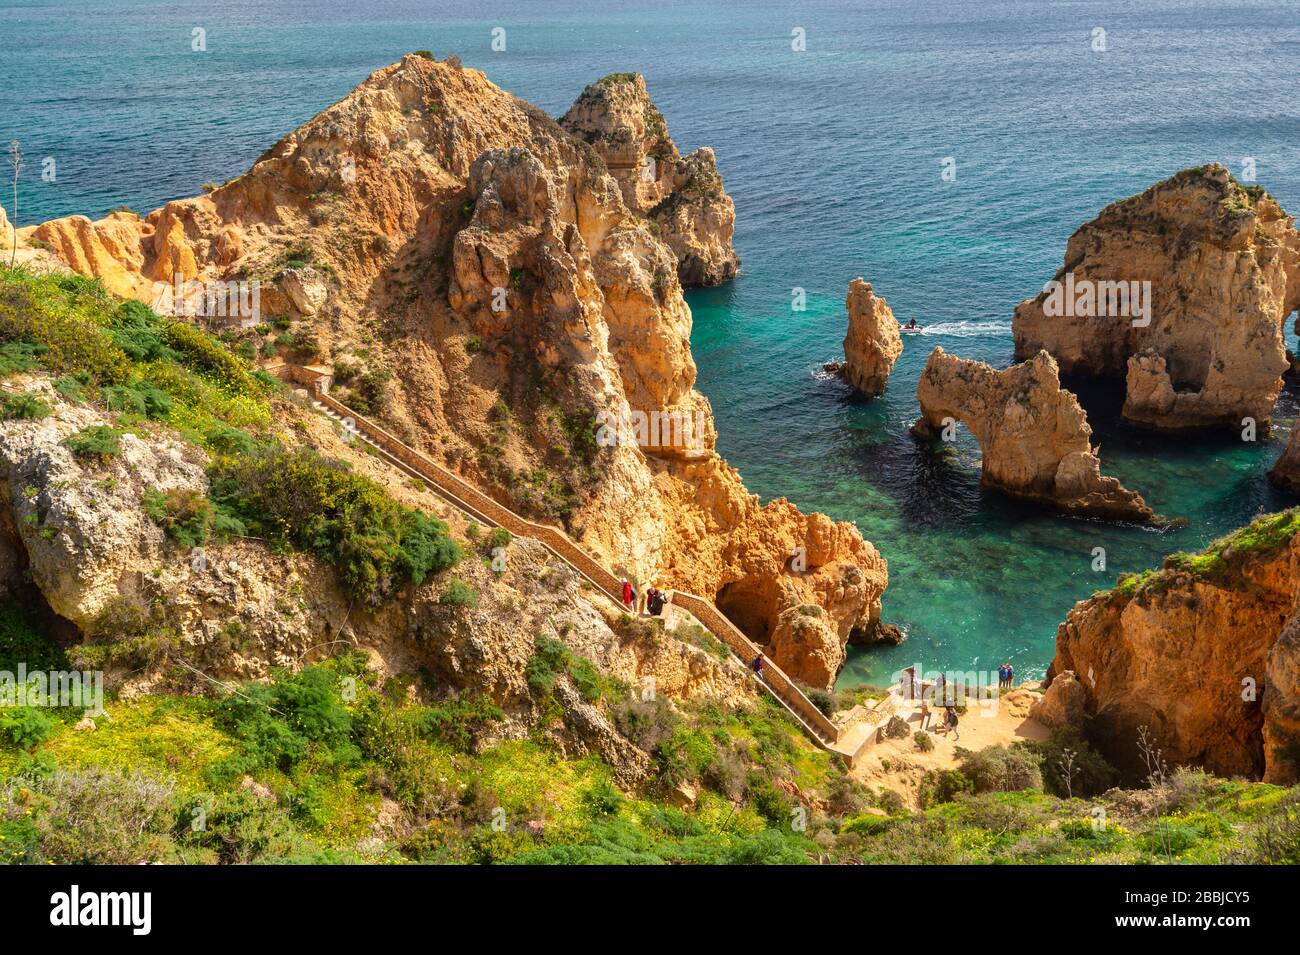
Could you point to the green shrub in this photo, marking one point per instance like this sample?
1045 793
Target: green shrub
867 825
186 515
768 801
943 786
923 740
458 723
205 355
821 699
301 499
603 799
101 816
138 330
19 356
239 828
278 723
1274 837
1067 753
99 442
72 388
458 593
897 728
1000 769
225 439
550 659
140 398
25 726
61 320
585 676
24 407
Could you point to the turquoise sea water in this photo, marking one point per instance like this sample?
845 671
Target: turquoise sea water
833 156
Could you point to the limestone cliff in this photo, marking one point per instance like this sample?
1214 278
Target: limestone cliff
461 245
1033 434
682 195
1181 290
1203 653
873 342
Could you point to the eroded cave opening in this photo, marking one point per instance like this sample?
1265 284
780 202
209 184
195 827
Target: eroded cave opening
22 605
750 603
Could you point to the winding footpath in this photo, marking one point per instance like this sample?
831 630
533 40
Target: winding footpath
846 741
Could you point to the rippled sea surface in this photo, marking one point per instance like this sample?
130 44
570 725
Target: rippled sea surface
833 156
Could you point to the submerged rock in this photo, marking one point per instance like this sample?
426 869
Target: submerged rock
1033 434
1182 291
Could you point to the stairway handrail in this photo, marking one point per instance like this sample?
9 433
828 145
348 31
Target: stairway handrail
482 507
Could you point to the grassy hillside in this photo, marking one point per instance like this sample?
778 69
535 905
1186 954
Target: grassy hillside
334 765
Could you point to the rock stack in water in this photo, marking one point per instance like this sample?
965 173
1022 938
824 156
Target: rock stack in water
873 342
1181 291
1034 435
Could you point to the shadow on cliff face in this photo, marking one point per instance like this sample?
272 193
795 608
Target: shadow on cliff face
19 595
1115 732
751 604
1103 400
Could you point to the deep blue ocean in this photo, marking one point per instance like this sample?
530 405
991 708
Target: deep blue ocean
834 157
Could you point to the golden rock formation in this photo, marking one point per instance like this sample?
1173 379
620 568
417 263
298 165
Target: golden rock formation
1033 434
442 232
1182 291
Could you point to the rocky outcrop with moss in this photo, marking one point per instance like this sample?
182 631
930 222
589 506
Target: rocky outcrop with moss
682 195
1033 434
1221 264
1200 655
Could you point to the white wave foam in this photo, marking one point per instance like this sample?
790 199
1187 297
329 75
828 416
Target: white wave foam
965 329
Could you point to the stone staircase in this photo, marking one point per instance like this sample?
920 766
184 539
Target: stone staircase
848 741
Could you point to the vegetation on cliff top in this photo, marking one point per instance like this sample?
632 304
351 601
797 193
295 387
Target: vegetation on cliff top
1261 538
143 368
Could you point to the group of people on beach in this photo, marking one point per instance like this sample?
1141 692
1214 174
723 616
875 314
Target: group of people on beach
654 599
1006 676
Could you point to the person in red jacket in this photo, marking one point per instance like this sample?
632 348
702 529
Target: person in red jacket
629 595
